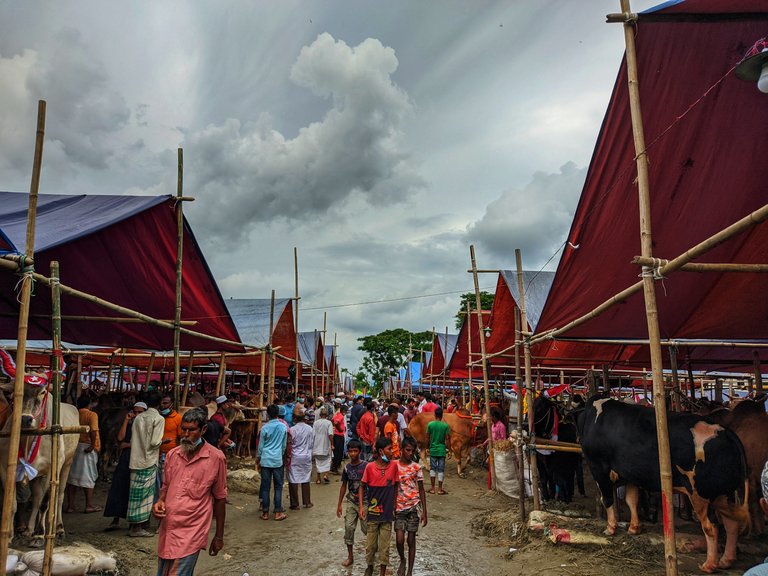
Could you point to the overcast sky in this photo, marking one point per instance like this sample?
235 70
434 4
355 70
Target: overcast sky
379 138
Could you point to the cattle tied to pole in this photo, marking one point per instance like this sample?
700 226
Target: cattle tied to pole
557 470
708 465
34 459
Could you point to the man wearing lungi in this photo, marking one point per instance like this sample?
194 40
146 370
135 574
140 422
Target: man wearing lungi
148 428
194 491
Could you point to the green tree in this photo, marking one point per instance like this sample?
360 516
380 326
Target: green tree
387 352
486 301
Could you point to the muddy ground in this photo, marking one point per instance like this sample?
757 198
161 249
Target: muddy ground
470 532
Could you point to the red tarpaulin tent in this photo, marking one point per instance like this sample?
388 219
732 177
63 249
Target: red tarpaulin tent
707 144
121 249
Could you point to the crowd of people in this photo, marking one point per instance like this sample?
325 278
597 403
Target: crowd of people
162 453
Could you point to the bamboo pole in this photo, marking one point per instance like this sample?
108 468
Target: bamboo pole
519 440
313 372
150 367
445 368
109 372
703 267
649 292
432 374
179 277
9 495
758 372
528 380
491 464
220 387
55 424
296 319
188 378
322 373
115 319
271 372
691 381
676 407
49 431
79 383
469 356
121 377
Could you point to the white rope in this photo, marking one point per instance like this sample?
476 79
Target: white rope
27 276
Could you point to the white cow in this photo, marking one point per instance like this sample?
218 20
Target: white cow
35 451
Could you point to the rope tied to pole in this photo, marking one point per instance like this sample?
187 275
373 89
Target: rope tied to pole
654 272
27 275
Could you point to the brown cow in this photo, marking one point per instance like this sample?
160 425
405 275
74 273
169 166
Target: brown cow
749 421
462 434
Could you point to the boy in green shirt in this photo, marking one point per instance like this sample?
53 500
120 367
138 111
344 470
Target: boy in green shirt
438 437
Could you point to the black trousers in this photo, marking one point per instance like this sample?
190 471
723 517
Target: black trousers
338 452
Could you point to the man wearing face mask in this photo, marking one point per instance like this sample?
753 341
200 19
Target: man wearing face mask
171 434
193 493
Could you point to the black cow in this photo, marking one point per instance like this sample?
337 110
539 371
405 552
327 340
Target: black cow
556 470
708 465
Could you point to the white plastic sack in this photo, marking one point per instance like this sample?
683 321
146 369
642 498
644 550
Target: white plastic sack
505 464
76 560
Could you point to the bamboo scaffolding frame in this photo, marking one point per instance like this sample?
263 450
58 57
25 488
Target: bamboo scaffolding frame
9 494
220 384
519 426
271 385
486 390
115 319
188 378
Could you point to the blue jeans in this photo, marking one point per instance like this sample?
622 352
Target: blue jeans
272 476
366 452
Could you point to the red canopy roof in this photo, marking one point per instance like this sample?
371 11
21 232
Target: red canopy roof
121 249
707 143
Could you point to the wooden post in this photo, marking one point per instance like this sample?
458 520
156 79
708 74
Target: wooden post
606 378
431 376
718 390
528 381
150 368
271 377
691 381
750 385
519 442
322 370
297 365
591 382
121 373
188 378
758 373
649 292
109 373
469 356
79 375
491 465
220 384
179 277
313 369
261 388
445 371
645 384
55 424
676 405
9 494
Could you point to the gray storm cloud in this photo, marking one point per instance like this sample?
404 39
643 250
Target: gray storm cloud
535 219
245 174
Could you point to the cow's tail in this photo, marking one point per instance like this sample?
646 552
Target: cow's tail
7 365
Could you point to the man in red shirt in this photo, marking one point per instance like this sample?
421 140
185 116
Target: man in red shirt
366 429
194 492
429 406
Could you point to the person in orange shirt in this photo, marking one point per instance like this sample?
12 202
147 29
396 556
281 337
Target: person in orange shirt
392 431
366 429
84 471
171 435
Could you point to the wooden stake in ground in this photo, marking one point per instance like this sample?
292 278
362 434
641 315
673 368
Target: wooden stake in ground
179 278
220 388
519 447
528 380
271 385
9 494
758 372
188 378
478 303
649 292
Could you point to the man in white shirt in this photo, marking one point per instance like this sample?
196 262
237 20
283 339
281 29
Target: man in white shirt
147 436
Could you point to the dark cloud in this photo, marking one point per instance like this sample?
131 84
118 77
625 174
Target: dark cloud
83 110
245 174
535 219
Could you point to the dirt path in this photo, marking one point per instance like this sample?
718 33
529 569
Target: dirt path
310 541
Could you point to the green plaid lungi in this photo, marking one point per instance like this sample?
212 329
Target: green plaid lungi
141 494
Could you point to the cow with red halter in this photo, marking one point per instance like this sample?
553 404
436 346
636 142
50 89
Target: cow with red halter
34 457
